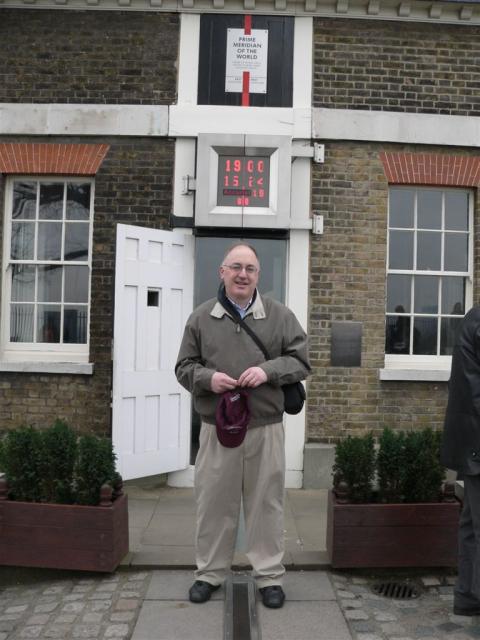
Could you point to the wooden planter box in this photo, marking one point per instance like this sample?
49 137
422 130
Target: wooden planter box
58 536
392 535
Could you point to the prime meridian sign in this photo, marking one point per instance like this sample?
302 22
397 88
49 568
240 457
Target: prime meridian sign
246 52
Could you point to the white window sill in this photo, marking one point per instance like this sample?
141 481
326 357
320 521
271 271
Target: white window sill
79 368
415 375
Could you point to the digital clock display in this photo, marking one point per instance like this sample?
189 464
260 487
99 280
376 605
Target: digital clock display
243 181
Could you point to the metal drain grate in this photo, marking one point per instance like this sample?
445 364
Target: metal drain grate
396 590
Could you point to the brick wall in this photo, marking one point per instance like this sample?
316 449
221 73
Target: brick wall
348 268
133 186
88 57
396 66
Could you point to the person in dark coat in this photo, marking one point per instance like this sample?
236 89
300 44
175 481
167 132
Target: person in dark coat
461 452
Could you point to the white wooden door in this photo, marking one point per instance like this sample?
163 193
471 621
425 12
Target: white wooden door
153 298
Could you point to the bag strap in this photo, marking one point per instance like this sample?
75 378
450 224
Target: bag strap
236 317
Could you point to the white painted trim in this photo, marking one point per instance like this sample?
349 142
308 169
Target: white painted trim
300 194
184 165
415 375
303 62
297 301
188 58
17 353
384 126
85 369
83 119
418 11
190 120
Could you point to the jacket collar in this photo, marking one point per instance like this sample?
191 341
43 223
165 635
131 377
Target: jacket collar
257 309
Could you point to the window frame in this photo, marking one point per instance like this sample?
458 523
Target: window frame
429 362
15 352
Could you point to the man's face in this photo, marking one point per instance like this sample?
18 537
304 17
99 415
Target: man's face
239 273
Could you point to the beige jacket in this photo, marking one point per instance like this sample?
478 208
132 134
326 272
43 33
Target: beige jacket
212 342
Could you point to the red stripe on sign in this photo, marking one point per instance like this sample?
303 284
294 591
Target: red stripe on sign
246 89
247 27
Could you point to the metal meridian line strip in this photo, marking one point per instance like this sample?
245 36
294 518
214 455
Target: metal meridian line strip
240 618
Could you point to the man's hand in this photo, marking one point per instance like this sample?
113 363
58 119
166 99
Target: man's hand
221 382
252 377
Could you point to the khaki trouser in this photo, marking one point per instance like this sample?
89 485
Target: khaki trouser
257 469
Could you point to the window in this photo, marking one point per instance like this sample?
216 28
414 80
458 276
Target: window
429 272
47 255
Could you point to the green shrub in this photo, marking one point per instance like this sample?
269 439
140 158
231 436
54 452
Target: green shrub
22 463
59 454
407 465
391 465
55 466
95 466
423 473
355 465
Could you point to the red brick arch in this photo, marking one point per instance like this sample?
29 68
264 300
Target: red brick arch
431 169
49 158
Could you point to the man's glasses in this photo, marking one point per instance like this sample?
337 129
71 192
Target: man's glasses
238 268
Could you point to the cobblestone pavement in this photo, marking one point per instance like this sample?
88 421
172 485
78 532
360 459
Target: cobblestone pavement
428 617
70 606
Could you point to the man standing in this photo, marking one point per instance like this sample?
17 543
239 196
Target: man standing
461 452
218 356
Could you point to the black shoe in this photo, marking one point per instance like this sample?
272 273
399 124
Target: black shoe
466 611
273 597
201 591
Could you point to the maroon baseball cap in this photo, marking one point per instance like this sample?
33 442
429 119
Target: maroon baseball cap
232 417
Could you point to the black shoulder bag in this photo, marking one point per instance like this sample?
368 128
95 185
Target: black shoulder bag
294 392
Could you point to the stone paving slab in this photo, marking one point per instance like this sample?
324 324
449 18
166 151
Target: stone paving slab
140 512
303 621
179 620
179 530
308 586
153 557
174 585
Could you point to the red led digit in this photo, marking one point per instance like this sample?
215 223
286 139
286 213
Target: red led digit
237 165
228 165
260 166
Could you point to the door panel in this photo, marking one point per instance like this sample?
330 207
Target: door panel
153 299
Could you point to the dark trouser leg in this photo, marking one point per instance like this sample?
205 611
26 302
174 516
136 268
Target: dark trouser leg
467 589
